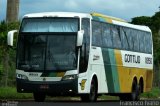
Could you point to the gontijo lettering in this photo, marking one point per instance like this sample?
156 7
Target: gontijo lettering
132 58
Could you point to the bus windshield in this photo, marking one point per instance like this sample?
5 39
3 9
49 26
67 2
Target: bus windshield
49 25
47 49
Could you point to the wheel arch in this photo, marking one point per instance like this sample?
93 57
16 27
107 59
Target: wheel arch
94 76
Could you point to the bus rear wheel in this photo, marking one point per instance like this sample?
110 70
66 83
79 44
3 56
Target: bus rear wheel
39 97
92 96
134 96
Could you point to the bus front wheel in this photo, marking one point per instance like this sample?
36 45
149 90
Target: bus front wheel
92 96
39 97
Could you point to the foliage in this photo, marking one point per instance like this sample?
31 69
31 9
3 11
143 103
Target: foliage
143 20
156 22
7 55
154 93
11 93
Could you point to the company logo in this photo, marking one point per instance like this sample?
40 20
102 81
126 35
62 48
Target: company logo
132 58
44 79
33 74
96 57
82 84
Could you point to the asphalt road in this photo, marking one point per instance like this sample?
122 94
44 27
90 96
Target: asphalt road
79 103
58 103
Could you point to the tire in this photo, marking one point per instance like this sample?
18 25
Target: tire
39 97
92 96
85 98
124 97
134 96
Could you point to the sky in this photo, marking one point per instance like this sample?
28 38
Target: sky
125 9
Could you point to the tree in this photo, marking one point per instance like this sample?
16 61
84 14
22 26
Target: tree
143 20
5 50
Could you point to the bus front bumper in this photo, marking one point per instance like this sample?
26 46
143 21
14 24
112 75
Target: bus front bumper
68 87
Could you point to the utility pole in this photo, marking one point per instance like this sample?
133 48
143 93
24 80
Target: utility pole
12 11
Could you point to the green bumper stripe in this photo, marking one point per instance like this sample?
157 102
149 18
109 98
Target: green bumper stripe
53 74
111 70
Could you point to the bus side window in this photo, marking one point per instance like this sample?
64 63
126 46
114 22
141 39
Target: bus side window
116 37
141 38
96 33
130 38
107 37
85 46
148 42
86 28
136 40
145 43
125 43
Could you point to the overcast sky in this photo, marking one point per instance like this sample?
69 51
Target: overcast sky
125 9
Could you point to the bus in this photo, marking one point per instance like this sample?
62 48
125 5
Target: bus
82 54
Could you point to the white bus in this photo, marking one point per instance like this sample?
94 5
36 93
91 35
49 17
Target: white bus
66 53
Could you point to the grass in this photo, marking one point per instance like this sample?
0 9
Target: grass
154 93
107 97
11 93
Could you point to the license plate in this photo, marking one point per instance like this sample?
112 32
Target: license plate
44 87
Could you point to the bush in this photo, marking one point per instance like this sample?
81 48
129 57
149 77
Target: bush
154 93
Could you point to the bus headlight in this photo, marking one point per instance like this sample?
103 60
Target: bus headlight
69 77
20 76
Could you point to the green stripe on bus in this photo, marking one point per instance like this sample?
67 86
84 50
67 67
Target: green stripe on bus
114 70
96 18
111 70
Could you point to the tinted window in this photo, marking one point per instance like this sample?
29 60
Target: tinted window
96 33
118 37
115 32
106 35
142 39
50 25
135 40
85 46
86 28
148 42
124 39
129 37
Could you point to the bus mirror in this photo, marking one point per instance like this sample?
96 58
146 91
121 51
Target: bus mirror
10 37
80 38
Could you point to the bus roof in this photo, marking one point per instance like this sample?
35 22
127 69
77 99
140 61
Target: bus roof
94 16
58 14
118 21
106 17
